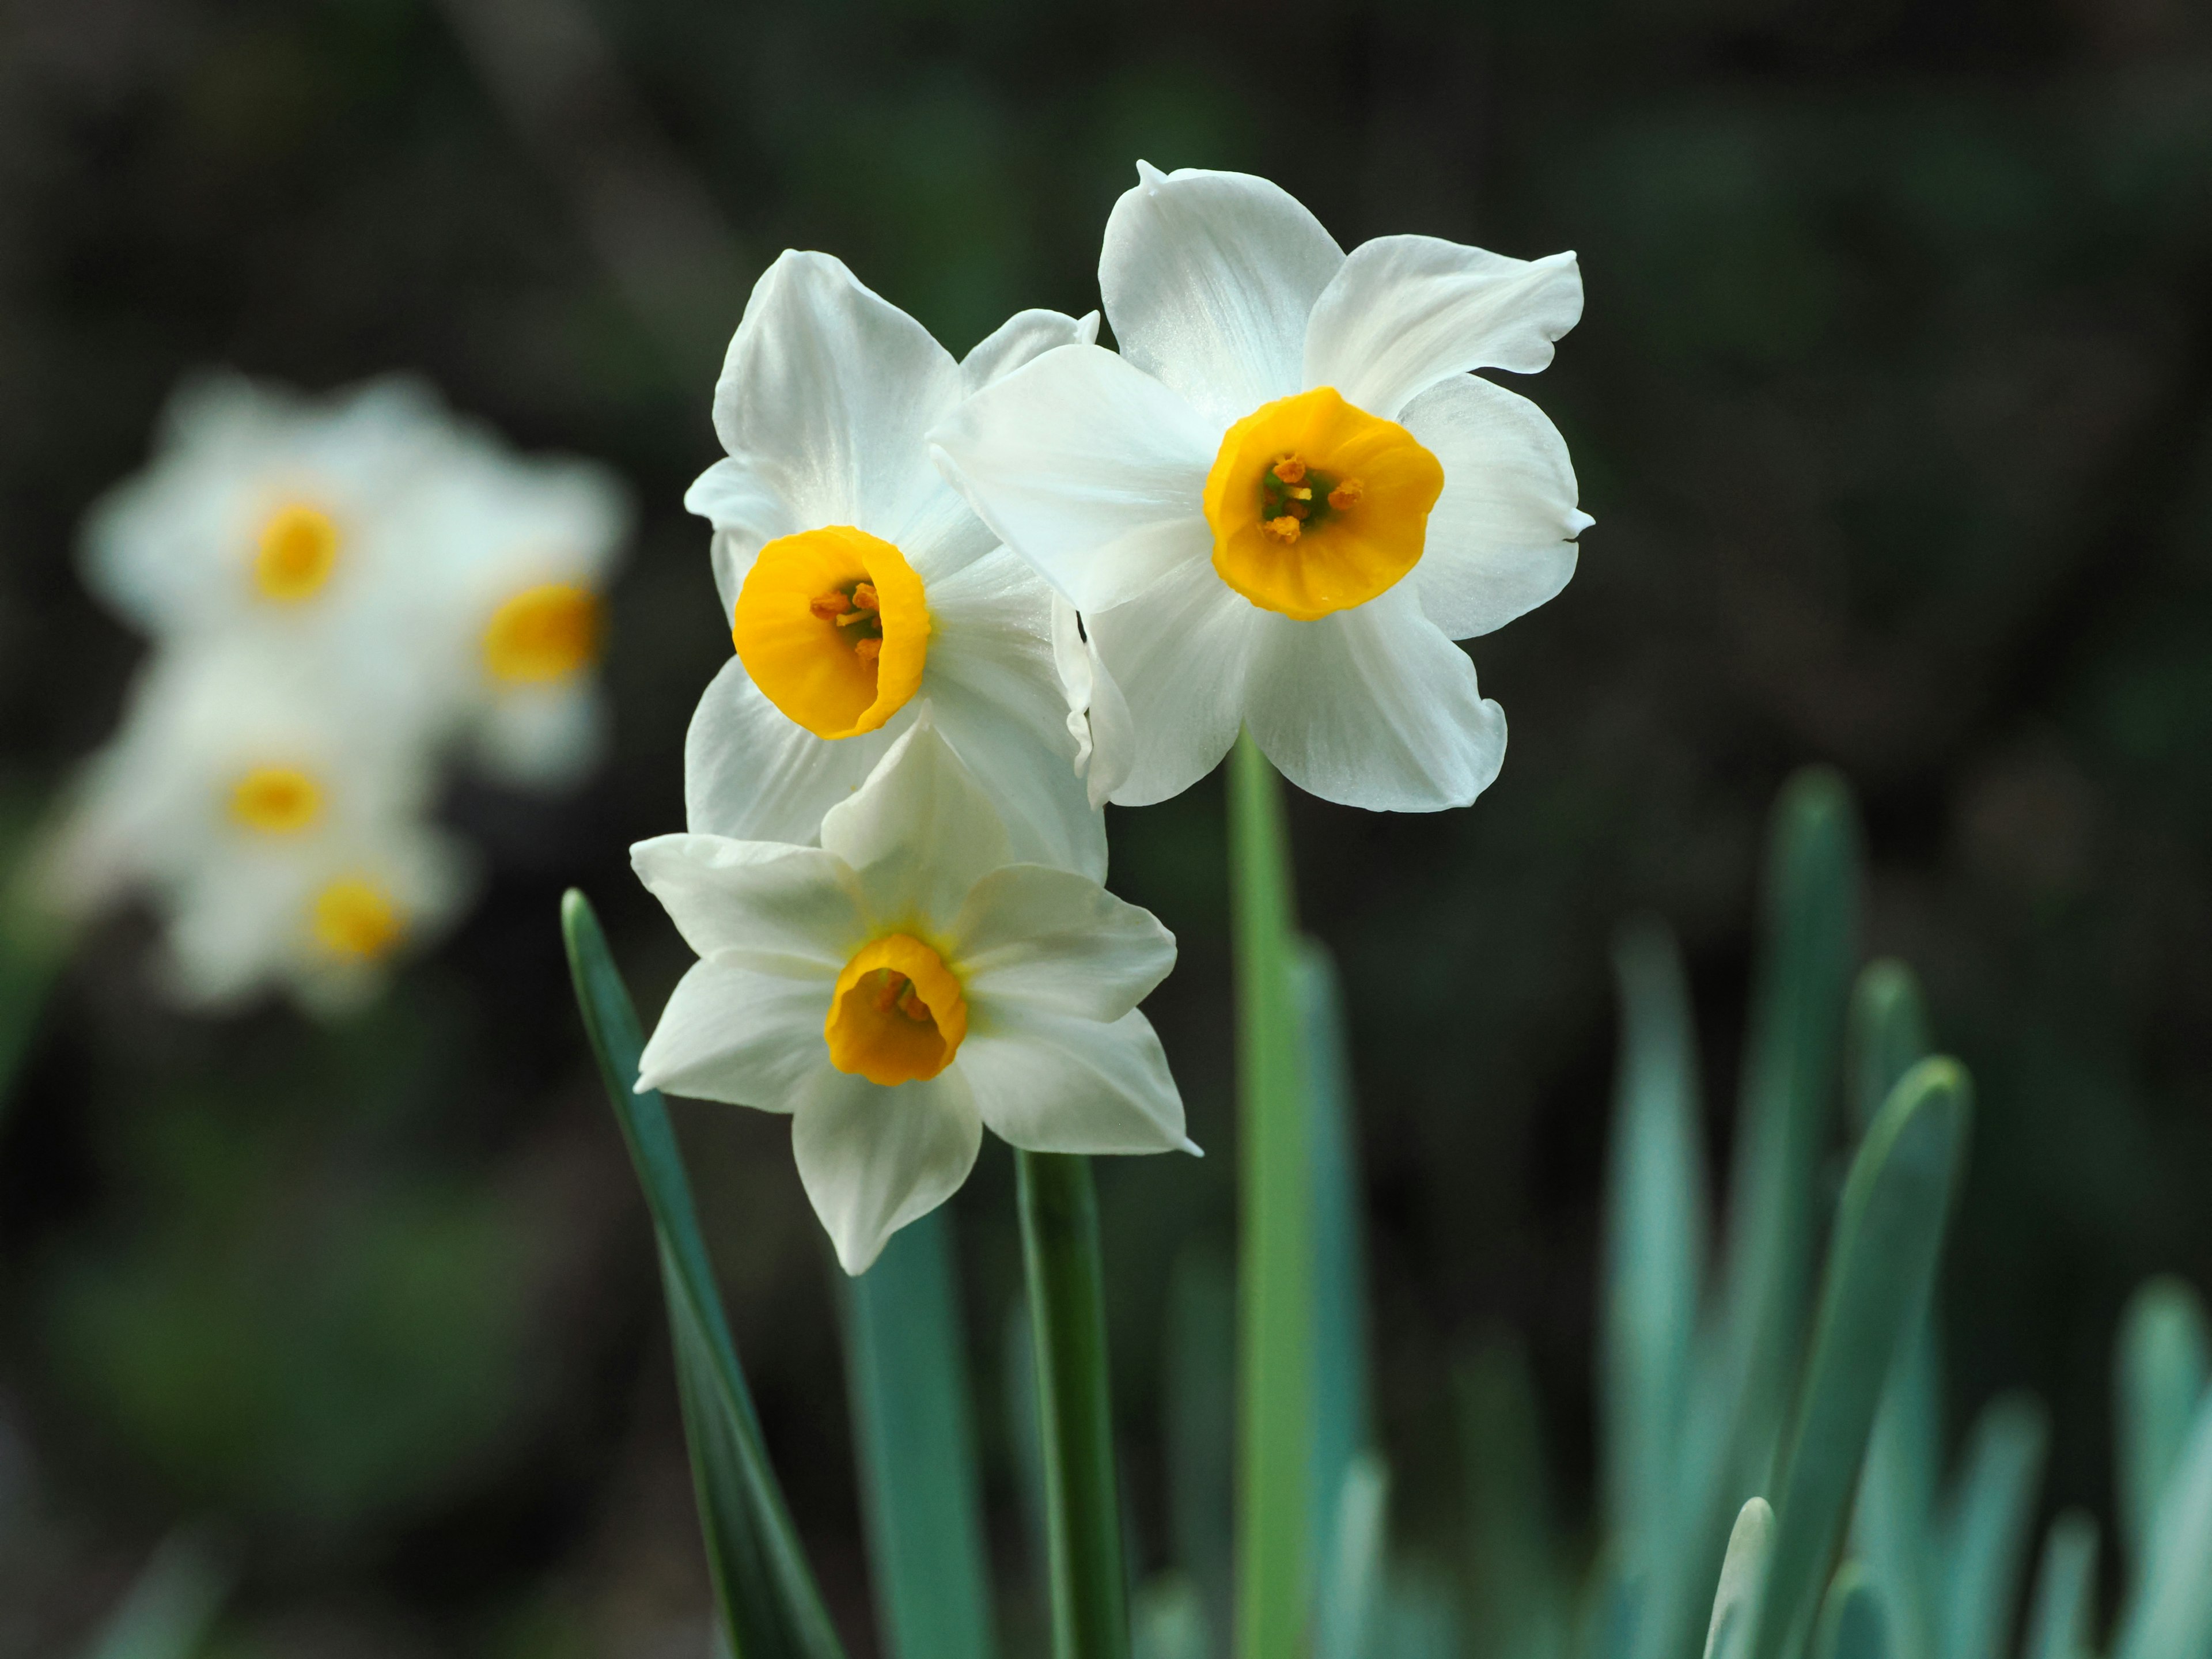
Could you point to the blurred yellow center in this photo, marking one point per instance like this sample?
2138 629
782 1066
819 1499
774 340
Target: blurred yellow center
1317 506
298 549
832 627
543 633
276 800
355 917
897 1015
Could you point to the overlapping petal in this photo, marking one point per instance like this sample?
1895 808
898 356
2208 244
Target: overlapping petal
1501 537
1405 312
1208 279
1090 468
1374 707
750 771
739 1036
873 1159
760 900
1048 1083
1022 337
919 834
1056 943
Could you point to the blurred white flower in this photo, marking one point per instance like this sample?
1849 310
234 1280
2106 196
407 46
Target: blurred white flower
859 583
281 844
903 985
1288 496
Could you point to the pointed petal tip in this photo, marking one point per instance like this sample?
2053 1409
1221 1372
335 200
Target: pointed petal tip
1192 1147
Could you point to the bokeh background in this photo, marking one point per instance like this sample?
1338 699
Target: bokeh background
1894 406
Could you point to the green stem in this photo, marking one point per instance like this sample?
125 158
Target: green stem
1275 1356
1067 1323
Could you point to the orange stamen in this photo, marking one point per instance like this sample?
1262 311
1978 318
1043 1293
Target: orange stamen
832 603
1291 470
864 595
867 650
1347 494
1286 529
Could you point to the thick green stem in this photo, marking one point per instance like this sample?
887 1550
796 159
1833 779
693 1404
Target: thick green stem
1275 1356
1068 1323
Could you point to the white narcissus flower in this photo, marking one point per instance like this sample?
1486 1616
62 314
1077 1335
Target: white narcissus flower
521 548
281 842
1288 494
859 584
902 986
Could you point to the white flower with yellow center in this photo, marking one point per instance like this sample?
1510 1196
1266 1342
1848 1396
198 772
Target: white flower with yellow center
269 515
279 841
517 552
903 984
1288 494
859 584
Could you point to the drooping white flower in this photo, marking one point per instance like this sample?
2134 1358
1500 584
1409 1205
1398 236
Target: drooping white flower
280 839
1289 494
903 984
859 584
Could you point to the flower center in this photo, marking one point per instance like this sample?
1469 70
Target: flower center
832 627
356 918
276 800
897 1015
1317 506
543 633
297 551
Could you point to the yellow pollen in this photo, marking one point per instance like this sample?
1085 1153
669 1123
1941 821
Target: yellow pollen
1316 506
297 550
356 918
833 627
276 800
543 633
897 1014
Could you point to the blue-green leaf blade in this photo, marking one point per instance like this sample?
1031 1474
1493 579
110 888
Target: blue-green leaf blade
1655 1230
913 1423
1888 1233
1854 1620
770 1606
2170 1613
2060 1623
171 1605
2160 1371
1742 1581
1987 1534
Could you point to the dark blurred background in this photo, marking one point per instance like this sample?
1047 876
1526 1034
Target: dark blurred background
1894 408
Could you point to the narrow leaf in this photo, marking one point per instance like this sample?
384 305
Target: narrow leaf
1655 1247
2162 1365
1743 1581
915 1423
1853 1623
1888 1232
1276 1258
763 1587
1893 1525
172 1604
1986 1539
1067 1333
2170 1614
1167 1620
1351 1600
2060 1625
1742 1370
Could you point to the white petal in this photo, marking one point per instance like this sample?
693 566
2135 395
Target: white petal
826 393
770 903
545 737
1024 335
1059 944
1181 654
1374 707
873 1158
992 685
731 1034
752 772
919 834
1090 469
1097 714
1208 279
1501 538
1406 311
1049 1084
748 513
